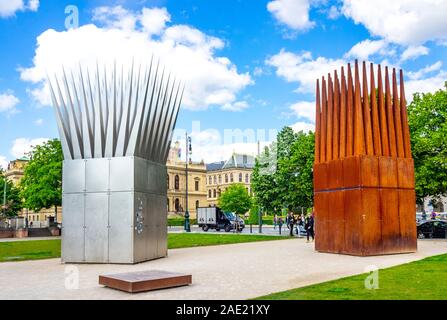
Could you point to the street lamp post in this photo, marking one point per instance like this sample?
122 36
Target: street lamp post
188 151
4 196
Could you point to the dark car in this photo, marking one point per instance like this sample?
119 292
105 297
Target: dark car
432 229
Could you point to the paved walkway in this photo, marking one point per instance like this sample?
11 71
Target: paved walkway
238 271
28 239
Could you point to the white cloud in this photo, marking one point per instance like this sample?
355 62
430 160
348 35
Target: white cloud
293 13
417 75
154 20
304 110
413 52
8 8
3 163
334 12
303 126
364 49
425 85
38 122
8 101
124 35
302 68
237 106
400 21
22 146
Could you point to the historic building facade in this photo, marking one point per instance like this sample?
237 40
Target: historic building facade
220 175
176 181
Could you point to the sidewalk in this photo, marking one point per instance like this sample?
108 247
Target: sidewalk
238 271
28 239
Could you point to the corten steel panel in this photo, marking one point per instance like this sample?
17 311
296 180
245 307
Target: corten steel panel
335 174
405 173
73 227
407 222
389 204
371 222
321 218
353 226
320 177
351 172
369 171
336 221
388 172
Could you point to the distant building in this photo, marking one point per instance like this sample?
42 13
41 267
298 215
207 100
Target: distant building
220 175
177 184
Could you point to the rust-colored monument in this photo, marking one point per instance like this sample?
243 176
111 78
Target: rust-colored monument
364 171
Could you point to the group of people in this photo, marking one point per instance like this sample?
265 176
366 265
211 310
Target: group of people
295 222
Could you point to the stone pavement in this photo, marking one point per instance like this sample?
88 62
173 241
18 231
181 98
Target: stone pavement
28 239
237 271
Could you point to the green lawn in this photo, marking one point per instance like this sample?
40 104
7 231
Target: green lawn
420 280
45 249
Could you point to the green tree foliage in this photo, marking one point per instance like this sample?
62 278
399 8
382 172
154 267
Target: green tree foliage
427 117
13 202
42 182
235 199
285 180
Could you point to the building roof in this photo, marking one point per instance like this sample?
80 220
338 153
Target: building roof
236 161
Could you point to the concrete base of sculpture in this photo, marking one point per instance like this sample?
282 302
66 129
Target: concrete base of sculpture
365 206
114 210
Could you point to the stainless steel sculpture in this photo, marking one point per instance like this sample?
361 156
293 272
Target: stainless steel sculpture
116 128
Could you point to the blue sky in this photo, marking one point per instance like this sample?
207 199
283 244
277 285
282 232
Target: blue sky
248 65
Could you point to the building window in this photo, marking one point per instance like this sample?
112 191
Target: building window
240 177
177 205
168 202
231 177
210 181
215 180
197 185
177 183
226 178
215 193
209 193
197 204
246 178
168 180
220 179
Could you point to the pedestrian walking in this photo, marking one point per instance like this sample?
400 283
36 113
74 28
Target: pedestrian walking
309 226
275 221
280 223
291 222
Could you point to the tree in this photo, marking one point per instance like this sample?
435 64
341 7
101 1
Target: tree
235 199
427 117
13 203
41 186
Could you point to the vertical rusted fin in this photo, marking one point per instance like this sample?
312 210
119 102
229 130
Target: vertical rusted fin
343 115
367 115
317 124
403 110
350 115
359 134
382 115
336 121
375 115
330 117
397 119
390 116
323 139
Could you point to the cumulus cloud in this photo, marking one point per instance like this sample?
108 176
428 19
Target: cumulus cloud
22 146
406 22
8 101
302 68
3 163
292 13
413 52
364 49
8 8
304 110
430 78
125 35
303 126
38 122
235 107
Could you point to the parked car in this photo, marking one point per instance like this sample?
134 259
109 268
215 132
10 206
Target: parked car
432 229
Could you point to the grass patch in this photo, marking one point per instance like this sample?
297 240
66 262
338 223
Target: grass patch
420 280
29 250
46 249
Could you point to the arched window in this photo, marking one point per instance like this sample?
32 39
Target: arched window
215 180
231 177
177 183
209 193
246 178
240 177
197 204
210 181
215 193
226 178
177 205
220 179
196 185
